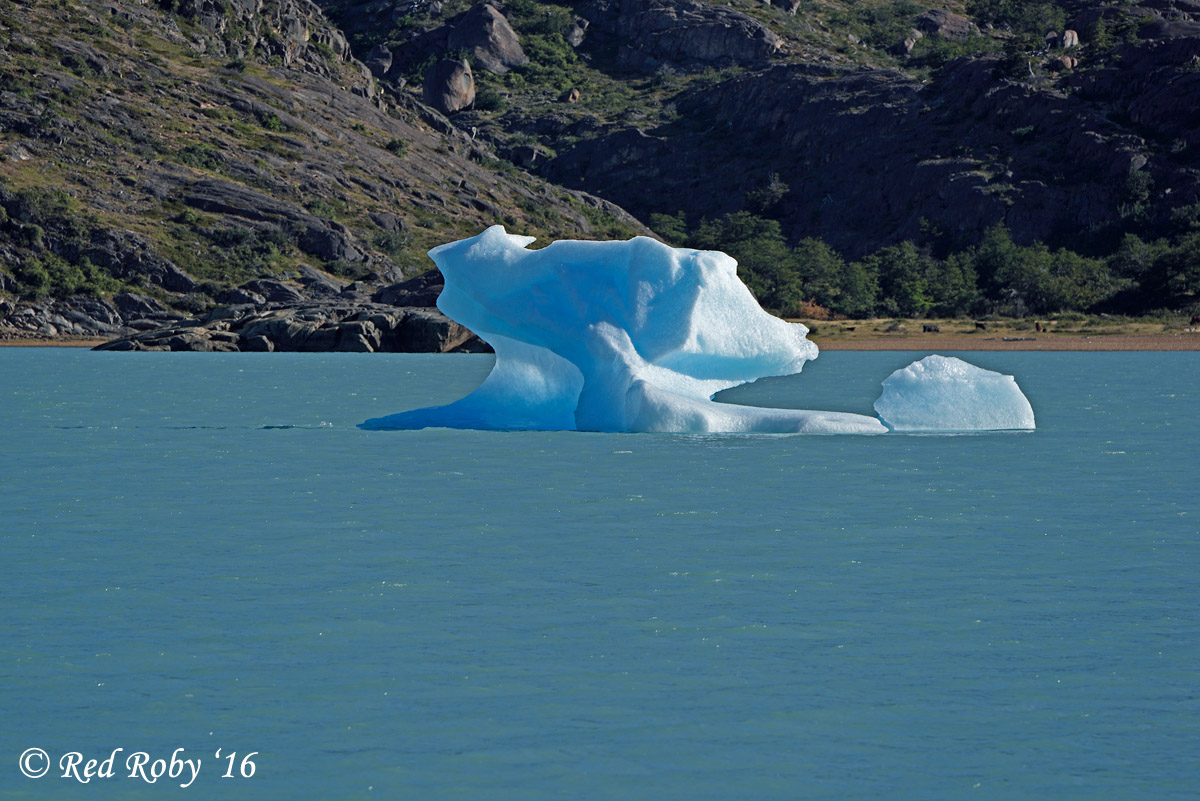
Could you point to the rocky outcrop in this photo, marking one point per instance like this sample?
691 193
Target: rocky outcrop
248 142
126 255
314 326
295 32
485 33
683 34
870 155
946 24
81 317
449 86
326 239
1158 82
420 291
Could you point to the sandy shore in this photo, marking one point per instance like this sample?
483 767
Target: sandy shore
952 342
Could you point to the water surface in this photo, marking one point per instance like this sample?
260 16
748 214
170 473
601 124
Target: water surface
202 551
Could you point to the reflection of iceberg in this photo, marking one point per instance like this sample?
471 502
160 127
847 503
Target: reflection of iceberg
615 336
941 393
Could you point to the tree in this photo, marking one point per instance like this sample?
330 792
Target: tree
901 270
821 270
1177 269
765 263
952 285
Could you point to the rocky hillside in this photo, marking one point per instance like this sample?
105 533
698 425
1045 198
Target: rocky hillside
863 125
156 157
162 159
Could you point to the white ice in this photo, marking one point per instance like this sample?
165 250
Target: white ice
639 336
615 336
941 393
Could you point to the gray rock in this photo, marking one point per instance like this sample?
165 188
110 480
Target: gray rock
420 291
240 296
946 24
316 283
274 291
256 344
133 306
577 32
388 222
1170 29
127 255
649 34
312 326
449 86
486 34
330 241
379 61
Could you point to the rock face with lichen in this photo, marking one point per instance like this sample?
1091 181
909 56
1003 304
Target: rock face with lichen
450 86
350 326
188 156
650 34
486 35
192 152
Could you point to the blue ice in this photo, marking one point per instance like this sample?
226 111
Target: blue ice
616 336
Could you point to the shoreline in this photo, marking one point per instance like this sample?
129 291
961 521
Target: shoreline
950 341
1189 341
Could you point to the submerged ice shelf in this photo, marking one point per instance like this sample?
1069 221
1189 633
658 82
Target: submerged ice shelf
628 336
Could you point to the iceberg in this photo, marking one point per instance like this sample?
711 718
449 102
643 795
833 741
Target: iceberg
639 336
615 336
942 393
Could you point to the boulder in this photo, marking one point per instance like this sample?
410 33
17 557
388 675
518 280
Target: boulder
575 34
316 283
330 241
387 221
946 24
486 34
133 306
1069 39
379 61
527 156
274 291
240 297
420 291
449 86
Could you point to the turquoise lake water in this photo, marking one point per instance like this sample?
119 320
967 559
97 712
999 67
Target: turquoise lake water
201 551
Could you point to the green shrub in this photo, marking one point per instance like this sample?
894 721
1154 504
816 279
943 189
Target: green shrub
488 98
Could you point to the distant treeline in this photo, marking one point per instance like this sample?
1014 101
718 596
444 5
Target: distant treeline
995 276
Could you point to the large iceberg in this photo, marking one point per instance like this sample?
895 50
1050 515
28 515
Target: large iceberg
615 336
639 336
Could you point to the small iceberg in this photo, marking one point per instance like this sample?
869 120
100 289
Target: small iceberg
629 336
942 393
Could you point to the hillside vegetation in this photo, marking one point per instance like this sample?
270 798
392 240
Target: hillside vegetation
882 157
